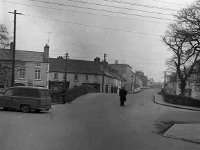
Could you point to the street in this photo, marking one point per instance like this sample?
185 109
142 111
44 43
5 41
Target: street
96 122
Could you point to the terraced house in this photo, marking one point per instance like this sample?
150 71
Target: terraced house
126 72
73 73
31 68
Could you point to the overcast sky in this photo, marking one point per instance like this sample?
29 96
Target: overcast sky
126 30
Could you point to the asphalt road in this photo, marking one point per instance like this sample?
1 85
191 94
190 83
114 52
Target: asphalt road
96 122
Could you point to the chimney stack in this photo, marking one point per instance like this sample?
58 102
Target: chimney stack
97 61
116 61
46 53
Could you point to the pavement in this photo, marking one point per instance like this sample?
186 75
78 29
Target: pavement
181 131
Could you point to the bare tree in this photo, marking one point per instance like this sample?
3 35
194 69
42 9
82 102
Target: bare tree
4 41
183 39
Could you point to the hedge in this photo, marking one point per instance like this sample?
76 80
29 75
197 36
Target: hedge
73 93
181 100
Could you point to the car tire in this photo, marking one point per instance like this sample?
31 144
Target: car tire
25 108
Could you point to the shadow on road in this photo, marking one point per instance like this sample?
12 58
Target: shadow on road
19 111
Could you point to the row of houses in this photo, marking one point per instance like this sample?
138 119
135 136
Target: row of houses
37 69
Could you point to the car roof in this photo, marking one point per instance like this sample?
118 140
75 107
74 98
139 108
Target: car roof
28 87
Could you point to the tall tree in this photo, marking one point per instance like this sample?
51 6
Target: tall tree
4 41
183 40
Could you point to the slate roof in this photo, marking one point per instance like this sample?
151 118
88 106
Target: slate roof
6 54
74 66
120 65
117 76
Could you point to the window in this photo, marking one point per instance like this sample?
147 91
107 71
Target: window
86 77
22 92
9 92
1 85
21 73
76 77
55 76
37 74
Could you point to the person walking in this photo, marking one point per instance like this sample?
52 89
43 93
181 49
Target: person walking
122 94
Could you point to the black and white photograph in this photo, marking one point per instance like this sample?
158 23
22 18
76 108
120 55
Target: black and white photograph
99 74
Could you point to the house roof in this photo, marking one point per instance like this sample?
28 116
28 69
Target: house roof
117 76
120 65
6 54
74 66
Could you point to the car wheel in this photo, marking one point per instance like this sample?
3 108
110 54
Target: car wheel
25 108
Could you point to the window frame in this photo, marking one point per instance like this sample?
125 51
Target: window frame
37 74
9 91
55 76
86 77
75 77
22 73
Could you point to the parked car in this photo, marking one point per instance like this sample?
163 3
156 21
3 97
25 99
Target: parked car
26 98
137 90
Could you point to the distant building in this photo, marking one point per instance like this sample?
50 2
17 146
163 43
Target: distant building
82 72
31 68
138 82
78 72
126 72
172 85
150 82
143 78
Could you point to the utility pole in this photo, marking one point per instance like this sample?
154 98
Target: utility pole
104 60
66 70
13 48
49 37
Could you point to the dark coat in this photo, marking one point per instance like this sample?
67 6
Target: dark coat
122 94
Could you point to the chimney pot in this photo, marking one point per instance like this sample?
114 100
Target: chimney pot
46 53
97 60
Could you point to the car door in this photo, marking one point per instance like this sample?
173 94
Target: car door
7 98
15 101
